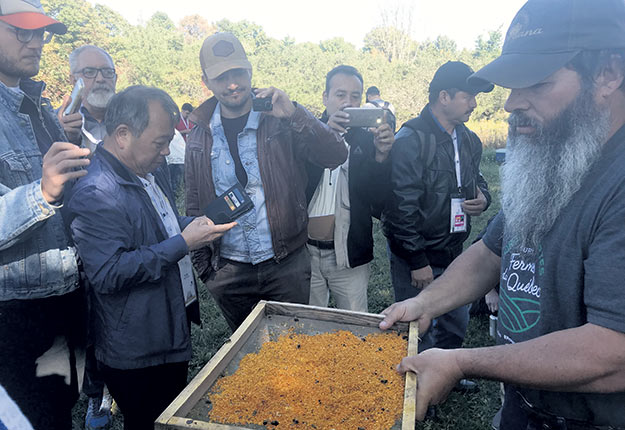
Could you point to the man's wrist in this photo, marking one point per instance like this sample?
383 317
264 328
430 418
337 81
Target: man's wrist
54 203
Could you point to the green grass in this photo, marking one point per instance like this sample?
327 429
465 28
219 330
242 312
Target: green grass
460 411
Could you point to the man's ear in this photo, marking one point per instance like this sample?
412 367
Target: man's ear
205 82
325 99
611 78
123 136
444 97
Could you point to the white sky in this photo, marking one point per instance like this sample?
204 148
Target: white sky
316 20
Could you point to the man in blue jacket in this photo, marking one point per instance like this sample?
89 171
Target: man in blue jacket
134 247
40 298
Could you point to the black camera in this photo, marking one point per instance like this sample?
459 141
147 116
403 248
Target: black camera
262 104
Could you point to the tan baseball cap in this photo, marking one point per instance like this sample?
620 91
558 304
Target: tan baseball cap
222 52
29 15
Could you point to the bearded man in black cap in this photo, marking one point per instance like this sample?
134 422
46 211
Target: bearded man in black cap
558 246
436 188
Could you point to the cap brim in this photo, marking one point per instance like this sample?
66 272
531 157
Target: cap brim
222 67
521 70
34 21
479 87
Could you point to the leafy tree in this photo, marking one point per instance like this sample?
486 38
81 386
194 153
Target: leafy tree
195 27
161 54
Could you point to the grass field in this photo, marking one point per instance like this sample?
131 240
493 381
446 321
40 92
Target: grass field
461 411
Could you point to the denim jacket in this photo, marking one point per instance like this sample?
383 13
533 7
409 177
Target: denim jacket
250 240
36 256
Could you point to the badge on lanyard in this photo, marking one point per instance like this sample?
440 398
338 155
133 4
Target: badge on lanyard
458 222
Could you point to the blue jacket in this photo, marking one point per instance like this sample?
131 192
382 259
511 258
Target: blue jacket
137 312
36 256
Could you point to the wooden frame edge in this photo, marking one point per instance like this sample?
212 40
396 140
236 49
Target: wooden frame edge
410 392
191 394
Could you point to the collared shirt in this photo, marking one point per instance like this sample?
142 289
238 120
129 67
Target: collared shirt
92 131
455 138
250 240
165 212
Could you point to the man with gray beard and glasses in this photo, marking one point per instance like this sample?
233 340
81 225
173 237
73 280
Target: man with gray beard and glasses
96 68
558 246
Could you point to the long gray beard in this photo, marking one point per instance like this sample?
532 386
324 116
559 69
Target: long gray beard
99 99
543 171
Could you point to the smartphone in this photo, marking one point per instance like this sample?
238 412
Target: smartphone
262 104
365 117
229 206
76 97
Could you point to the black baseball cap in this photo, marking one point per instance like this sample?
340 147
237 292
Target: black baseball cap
454 74
546 34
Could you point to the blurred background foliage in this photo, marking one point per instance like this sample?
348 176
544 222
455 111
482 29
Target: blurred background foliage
164 54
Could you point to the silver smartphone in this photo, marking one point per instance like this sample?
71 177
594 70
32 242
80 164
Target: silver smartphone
76 97
365 117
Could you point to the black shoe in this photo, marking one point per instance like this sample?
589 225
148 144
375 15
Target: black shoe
466 386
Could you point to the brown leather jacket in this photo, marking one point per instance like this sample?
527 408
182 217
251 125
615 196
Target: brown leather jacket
284 145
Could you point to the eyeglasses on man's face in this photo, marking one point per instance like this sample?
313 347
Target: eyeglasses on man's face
25 36
92 72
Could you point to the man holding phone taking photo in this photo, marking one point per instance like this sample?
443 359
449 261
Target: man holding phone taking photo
436 187
264 256
84 124
41 302
342 201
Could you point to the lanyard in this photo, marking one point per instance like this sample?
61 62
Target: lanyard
454 138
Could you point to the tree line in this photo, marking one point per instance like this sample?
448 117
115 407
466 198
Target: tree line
164 54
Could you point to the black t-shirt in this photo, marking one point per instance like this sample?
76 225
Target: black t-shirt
232 128
576 276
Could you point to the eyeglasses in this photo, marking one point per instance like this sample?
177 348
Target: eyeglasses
92 72
26 36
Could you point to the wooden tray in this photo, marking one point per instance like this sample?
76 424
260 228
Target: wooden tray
267 322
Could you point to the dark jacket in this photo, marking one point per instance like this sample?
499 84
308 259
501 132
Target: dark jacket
416 220
368 184
284 146
138 316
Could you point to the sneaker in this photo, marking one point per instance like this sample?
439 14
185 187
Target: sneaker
97 419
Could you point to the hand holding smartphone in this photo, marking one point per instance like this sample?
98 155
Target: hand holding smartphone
364 117
76 97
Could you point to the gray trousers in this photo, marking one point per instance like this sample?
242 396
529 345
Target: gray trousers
347 285
446 331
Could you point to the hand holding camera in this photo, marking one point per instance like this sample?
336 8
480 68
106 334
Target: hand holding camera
274 102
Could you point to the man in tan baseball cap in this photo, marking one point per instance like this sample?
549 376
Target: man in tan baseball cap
222 52
41 302
260 140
